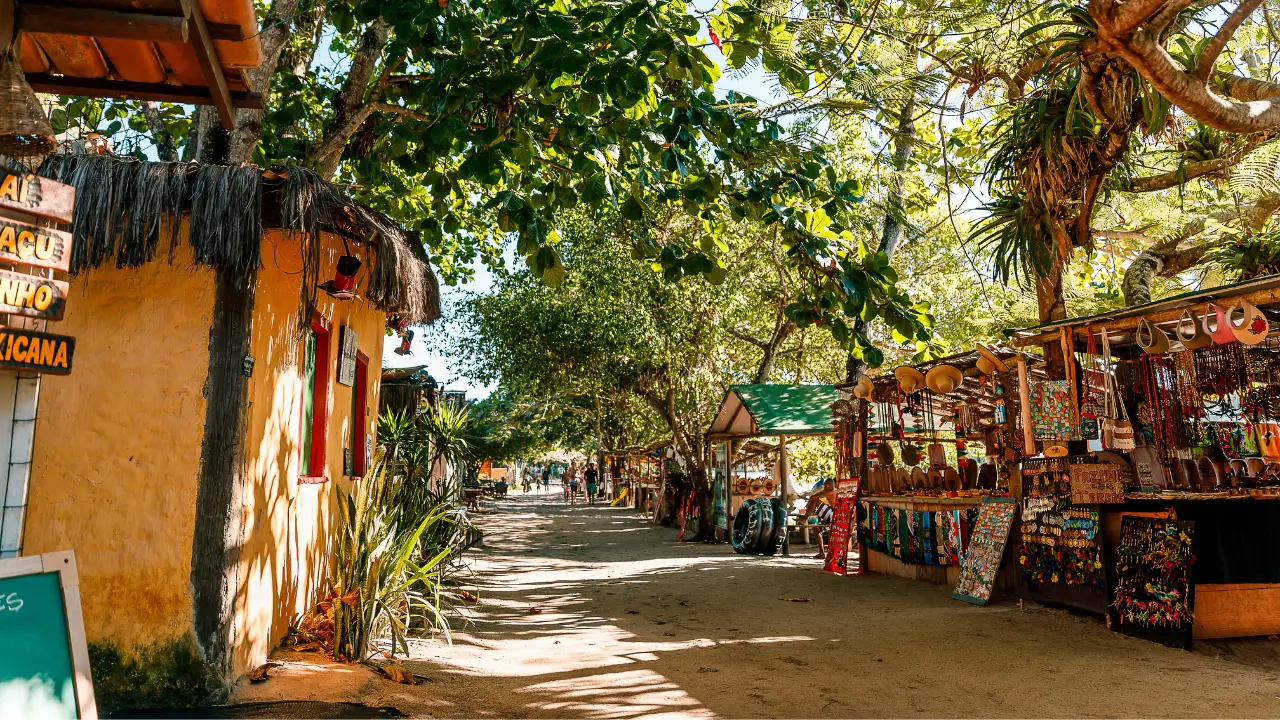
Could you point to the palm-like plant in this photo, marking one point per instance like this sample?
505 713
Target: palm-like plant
382 581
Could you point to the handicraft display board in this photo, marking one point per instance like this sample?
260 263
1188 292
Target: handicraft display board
1052 415
986 547
1099 483
1154 596
1060 558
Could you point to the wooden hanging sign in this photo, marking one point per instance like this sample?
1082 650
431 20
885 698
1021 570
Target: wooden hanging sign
23 244
36 195
36 351
32 296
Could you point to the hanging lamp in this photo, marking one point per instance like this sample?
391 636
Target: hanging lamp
25 132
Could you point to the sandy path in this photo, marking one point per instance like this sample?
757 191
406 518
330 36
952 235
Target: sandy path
633 624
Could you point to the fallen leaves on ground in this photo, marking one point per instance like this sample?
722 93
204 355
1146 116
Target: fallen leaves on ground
535 611
399 673
706 670
469 597
259 673
797 599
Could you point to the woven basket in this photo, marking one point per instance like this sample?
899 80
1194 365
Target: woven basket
24 129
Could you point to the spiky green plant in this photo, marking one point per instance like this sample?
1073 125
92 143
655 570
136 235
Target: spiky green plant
382 580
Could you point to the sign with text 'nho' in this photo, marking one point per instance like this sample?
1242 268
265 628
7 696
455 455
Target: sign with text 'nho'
32 296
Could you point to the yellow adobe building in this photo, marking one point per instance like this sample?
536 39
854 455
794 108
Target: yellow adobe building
218 401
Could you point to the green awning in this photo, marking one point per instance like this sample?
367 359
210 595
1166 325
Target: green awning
762 410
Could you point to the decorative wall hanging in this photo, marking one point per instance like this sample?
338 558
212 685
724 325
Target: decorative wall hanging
986 547
1154 592
1099 483
1051 410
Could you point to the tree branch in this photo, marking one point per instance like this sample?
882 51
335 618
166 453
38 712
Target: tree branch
1204 68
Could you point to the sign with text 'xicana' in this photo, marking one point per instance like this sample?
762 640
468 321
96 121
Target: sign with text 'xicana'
36 351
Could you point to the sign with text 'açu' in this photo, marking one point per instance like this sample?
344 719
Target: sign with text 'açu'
44 665
23 244
32 296
36 351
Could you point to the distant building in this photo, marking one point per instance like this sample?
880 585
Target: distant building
407 390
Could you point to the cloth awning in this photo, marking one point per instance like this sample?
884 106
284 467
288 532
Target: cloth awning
763 410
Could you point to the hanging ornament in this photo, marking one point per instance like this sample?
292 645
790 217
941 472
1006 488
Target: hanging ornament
24 130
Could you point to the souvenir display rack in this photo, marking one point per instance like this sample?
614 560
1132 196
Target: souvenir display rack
1183 395
931 442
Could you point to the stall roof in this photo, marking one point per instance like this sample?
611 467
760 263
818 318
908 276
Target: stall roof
758 410
183 51
1259 291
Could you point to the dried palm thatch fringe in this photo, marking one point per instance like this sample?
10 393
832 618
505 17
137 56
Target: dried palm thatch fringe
124 206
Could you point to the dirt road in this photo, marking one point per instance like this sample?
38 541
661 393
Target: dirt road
592 613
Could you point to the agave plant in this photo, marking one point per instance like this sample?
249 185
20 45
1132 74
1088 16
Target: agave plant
382 581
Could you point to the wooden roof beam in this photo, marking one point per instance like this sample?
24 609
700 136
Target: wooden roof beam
210 65
96 22
160 92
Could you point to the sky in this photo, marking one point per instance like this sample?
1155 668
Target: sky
423 350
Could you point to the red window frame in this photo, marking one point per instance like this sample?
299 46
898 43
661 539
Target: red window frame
320 404
359 416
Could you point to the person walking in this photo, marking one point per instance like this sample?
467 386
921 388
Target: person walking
546 478
569 482
591 476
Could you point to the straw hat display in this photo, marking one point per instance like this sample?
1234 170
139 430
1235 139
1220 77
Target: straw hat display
864 390
909 378
989 362
944 379
1253 326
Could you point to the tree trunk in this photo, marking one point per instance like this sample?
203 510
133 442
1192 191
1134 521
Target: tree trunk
278 26
1051 301
166 149
891 233
373 43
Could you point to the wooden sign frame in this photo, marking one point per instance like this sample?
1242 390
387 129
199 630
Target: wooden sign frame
37 351
64 563
347 348
22 243
54 201
28 292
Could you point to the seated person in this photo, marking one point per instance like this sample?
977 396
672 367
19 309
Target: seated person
820 510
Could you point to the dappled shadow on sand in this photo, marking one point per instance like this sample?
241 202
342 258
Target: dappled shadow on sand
547 632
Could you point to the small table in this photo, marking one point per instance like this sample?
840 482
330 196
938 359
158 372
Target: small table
473 498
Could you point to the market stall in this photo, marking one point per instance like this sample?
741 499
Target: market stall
1167 436
931 443
755 469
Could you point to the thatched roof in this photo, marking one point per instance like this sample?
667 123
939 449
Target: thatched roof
123 205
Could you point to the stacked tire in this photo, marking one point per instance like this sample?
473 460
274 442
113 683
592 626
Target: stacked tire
759 527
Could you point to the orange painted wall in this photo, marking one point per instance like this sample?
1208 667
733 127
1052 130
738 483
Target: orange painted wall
288 525
117 446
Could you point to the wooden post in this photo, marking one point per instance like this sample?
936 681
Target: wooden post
1024 401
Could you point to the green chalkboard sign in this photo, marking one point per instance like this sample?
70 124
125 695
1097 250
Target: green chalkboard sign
44 669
